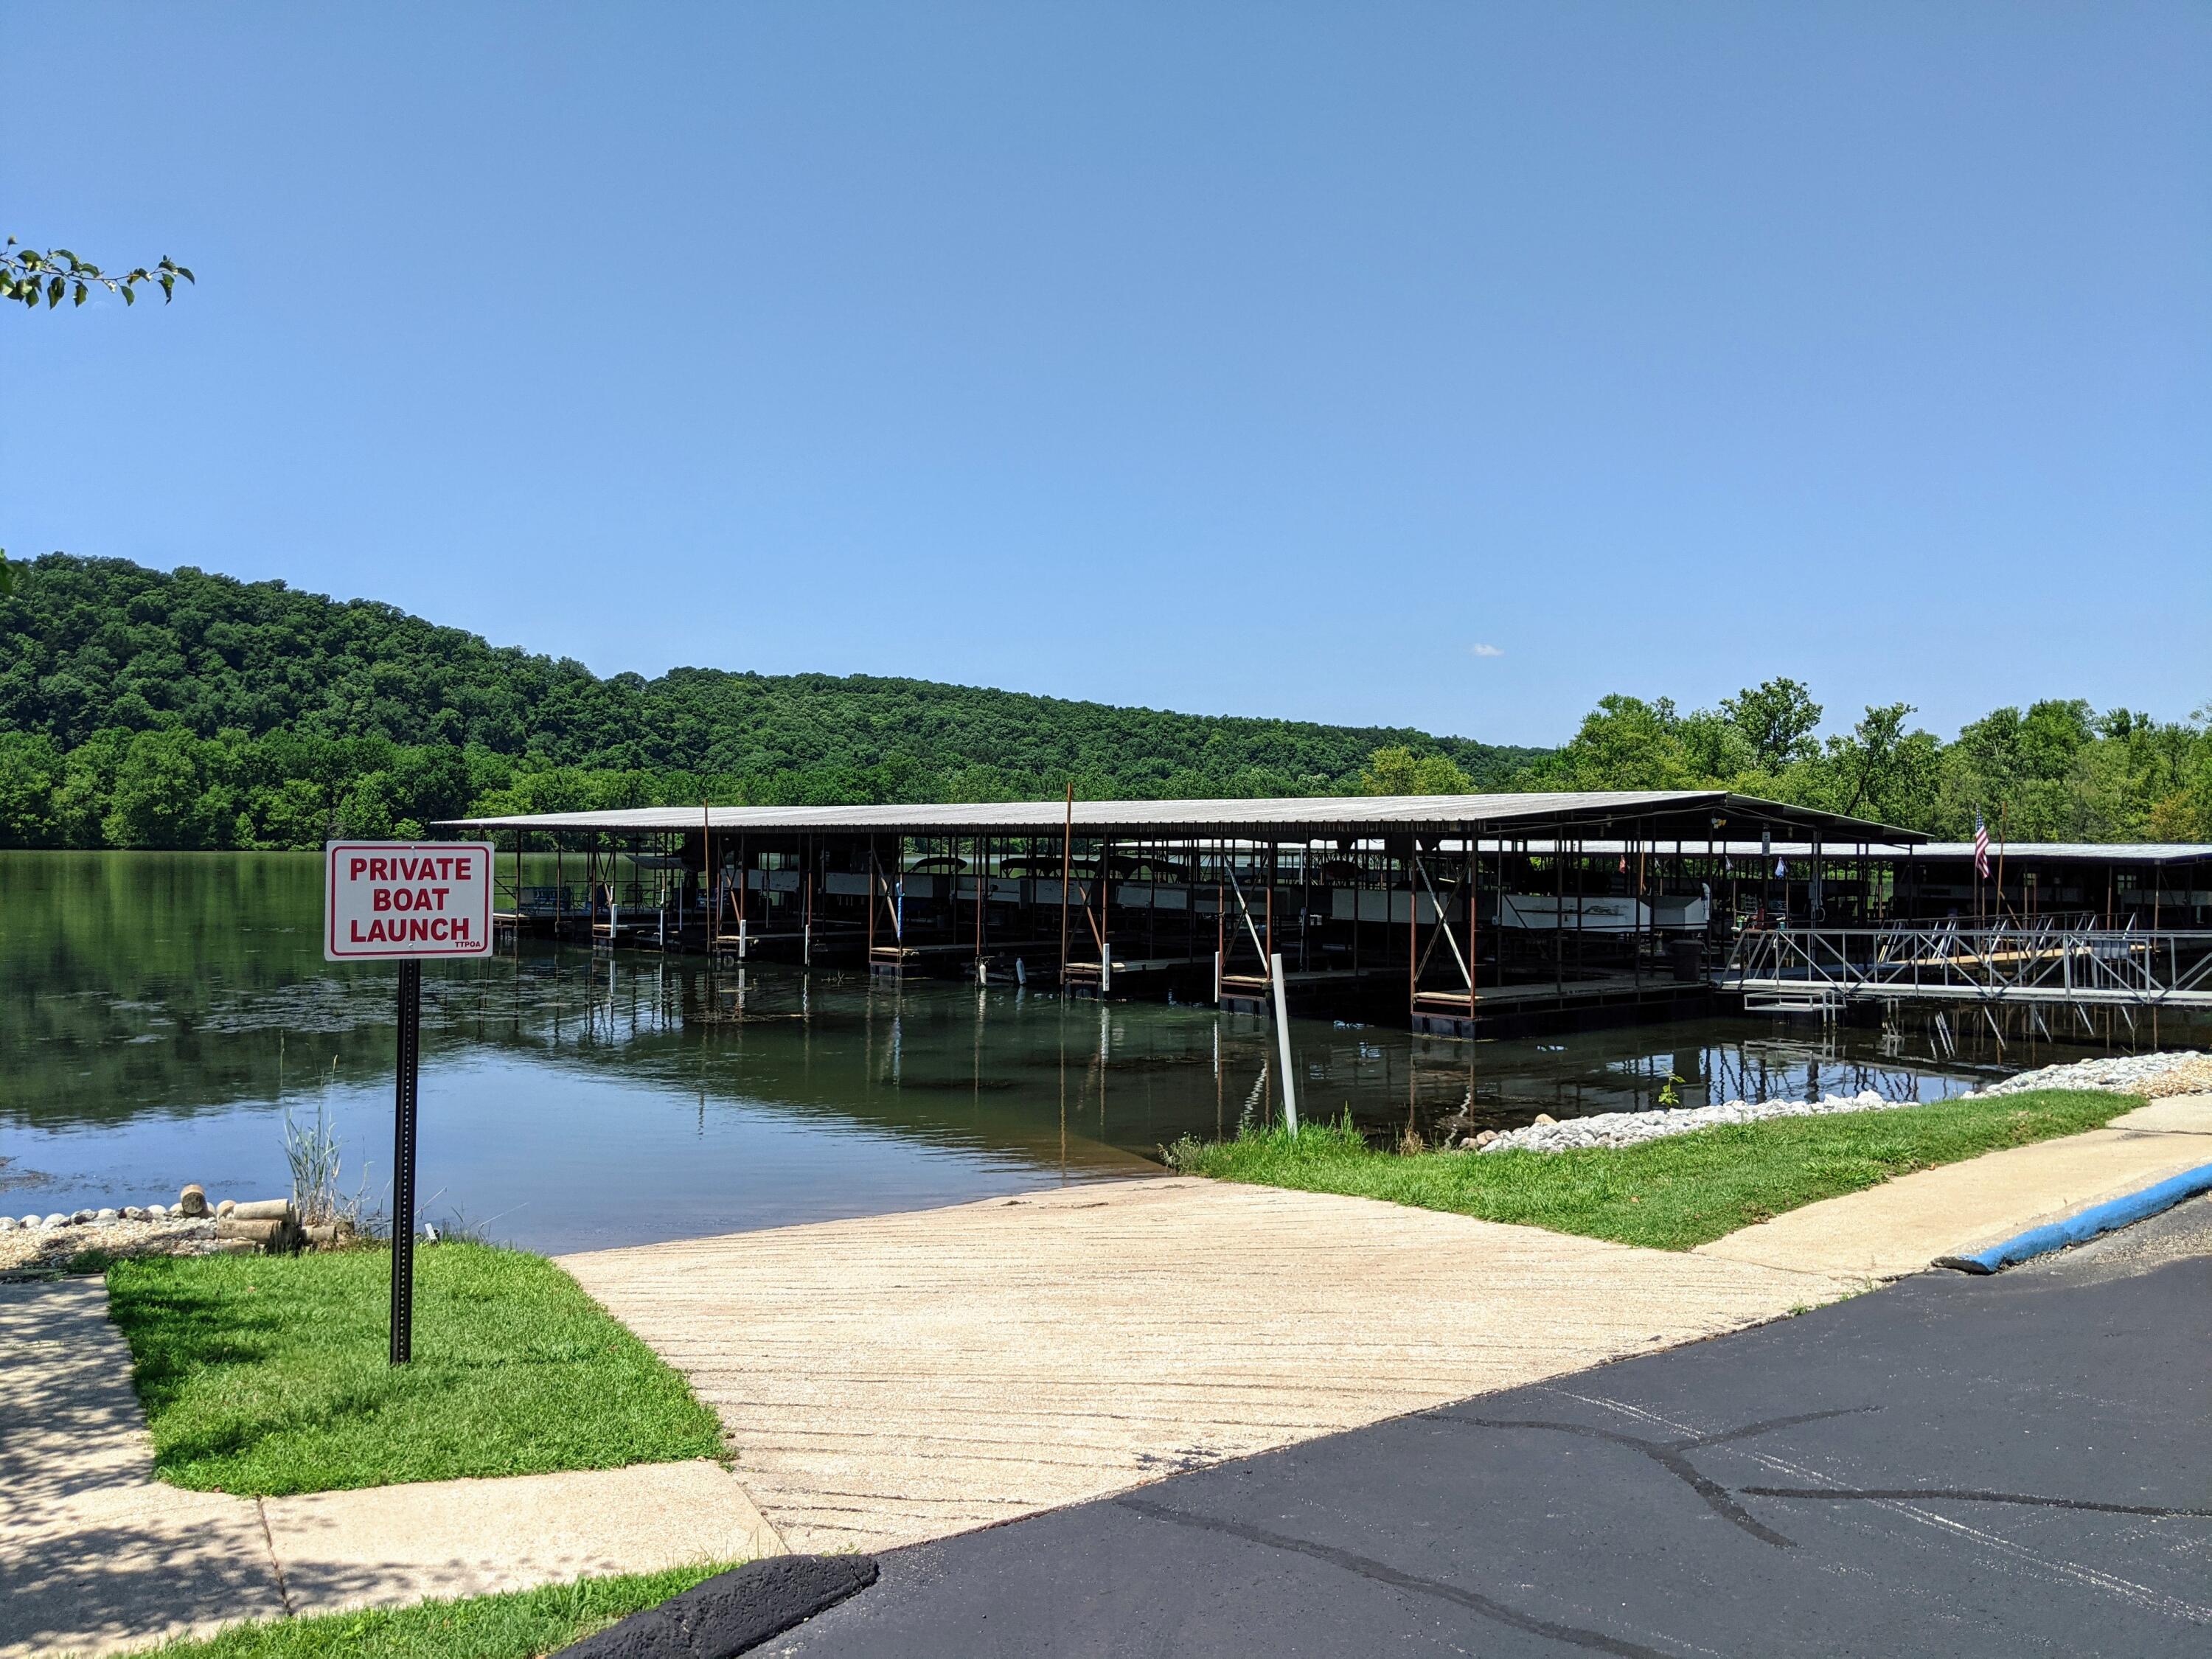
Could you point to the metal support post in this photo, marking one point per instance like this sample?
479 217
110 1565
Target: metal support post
403 1163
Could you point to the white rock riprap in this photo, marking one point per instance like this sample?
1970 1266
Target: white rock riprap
2179 1072
2185 1072
1633 1128
50 1246
39 1244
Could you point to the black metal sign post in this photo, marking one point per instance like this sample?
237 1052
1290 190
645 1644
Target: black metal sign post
403 1163
401 901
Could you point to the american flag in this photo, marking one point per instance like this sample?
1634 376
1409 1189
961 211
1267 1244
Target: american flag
1981 847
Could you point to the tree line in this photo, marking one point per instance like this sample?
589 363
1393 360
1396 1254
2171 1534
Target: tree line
180 708
2057 770
185 709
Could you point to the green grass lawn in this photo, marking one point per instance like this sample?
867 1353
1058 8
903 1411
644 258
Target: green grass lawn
1665 1194
516 1626
267 1375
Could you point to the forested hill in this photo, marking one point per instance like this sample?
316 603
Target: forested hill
94 651
145 708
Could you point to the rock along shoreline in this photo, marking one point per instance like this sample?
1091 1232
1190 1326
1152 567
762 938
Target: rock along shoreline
2181 1072
190 1226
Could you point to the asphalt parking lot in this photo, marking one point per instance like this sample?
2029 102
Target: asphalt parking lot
2002 1466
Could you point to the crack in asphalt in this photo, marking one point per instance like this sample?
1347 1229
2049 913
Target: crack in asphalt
2015 1555
1967 1495
1668 1454
1382 1572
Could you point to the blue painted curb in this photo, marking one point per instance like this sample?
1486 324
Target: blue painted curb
2102 1219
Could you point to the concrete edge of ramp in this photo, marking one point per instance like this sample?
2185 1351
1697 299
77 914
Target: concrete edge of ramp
1905 1225
1156 1184
2105 1218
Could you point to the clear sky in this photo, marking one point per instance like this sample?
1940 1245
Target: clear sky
1443 364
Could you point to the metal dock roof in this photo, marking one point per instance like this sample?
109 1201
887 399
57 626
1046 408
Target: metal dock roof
1310 814
2108 851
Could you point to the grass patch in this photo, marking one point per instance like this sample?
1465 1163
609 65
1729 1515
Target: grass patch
1665 1194
517 1624
267 1375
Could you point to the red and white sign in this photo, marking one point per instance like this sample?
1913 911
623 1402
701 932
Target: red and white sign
385 900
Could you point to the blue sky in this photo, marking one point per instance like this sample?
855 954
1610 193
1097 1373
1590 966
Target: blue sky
1448 365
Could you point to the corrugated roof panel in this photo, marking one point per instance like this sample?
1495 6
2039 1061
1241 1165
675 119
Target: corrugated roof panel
1100 814
1323 814
2116 852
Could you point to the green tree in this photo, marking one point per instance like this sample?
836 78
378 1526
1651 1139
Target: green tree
1879 770
295 813
374 810
2183 813
1715 750
1777 719
89 772
1625 743
30 781
1395 770
165 794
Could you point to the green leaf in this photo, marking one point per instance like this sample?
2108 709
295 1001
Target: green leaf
168 289
54 291
129 295
79 298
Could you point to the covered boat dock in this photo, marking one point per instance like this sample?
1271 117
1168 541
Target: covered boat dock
1467 913
2113 885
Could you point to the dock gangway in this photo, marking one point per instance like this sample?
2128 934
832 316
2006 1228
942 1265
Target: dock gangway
2047 962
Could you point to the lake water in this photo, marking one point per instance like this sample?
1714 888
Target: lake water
162 1013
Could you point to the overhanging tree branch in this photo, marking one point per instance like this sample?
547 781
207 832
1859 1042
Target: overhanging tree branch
29 275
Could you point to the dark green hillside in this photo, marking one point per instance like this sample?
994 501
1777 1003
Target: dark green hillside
180 709
149 708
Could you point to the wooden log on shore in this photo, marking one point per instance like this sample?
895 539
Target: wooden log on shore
264 1209
275 1236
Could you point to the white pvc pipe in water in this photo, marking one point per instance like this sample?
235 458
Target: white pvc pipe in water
1282 1043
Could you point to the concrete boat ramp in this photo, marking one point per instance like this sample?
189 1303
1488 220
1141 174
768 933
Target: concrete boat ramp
901 1377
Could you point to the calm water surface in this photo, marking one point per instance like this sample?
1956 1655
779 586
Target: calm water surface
163 1012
